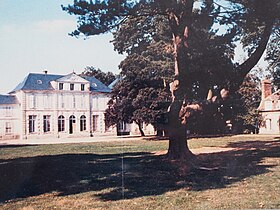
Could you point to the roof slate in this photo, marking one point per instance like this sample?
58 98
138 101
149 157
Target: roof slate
37 82
97 86
8 99
111 86
43 82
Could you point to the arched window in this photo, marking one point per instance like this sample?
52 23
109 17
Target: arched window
268 124
72 124
61 123
83 123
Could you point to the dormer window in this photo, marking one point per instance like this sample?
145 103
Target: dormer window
60 86
82 87
71 86
39 82
94 84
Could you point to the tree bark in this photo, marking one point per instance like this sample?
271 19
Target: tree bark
178 148
246 67
140 128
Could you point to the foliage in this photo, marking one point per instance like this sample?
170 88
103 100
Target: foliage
106 78
205 76
250 95
242 20
251 22
140 95
273 57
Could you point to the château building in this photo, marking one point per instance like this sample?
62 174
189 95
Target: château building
269 109
45 105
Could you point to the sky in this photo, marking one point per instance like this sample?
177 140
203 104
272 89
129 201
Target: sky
34 37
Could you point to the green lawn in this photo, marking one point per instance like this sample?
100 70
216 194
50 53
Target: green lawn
128 175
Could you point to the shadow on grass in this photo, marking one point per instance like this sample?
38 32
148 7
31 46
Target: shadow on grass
191 136
129 175
16 145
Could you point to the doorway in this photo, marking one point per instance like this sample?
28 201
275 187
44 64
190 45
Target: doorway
72 123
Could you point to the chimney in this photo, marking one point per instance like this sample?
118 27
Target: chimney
45 72
266 88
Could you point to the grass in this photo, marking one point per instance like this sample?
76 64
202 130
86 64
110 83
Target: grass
128 175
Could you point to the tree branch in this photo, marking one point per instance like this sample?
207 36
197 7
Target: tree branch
245 67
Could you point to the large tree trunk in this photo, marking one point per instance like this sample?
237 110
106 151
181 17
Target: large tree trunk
178 148
140 128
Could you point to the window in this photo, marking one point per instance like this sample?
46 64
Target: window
61 101
8 112
82 87
95 103
94 122
72 119
121 126
83 123
268 124
61 123
8 128
31 123
46 122
60 86
83 101
72 122
32 101
47 101
71 86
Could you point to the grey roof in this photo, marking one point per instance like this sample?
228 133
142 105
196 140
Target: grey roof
8 99
43 82
37 82
96 85
119 78
111 86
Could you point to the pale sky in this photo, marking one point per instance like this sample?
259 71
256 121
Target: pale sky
34 37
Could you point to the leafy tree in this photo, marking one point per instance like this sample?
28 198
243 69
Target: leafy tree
140 96
252 22
106 78
250 95
273 57
145 72
131 38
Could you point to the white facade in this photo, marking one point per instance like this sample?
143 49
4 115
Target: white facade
269 110
133 129
9 119
55 106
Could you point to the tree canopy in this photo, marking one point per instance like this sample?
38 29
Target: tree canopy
225 22
251 22
105 77
273 57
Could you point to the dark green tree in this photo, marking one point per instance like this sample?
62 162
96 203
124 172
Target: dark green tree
249 21
273 58
106 78
145 72
250 98
131 37
140 96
